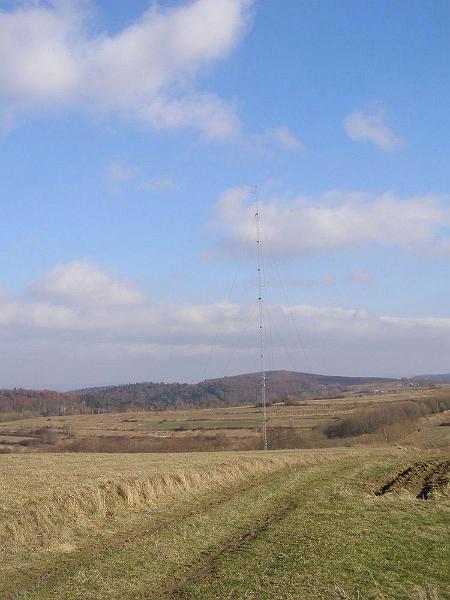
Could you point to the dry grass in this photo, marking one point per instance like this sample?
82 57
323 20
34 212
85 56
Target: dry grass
235 428
430 433
277 525
46 501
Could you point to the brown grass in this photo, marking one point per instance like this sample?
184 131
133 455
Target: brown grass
62 507
115 525
222 429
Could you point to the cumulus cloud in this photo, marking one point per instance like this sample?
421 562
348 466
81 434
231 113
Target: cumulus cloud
82 283
145 72
333 220
77 325
371 127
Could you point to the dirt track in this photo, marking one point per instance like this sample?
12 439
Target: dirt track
310 531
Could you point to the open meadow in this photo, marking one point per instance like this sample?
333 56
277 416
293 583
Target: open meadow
334 523
354 504
373 417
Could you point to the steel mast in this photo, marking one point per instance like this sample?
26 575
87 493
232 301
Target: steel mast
261 322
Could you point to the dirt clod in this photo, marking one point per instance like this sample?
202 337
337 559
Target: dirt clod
424 479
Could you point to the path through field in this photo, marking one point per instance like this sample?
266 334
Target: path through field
312 529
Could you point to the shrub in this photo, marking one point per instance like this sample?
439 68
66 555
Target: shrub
372 420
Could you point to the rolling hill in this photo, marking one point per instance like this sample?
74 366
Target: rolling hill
228 391
438 378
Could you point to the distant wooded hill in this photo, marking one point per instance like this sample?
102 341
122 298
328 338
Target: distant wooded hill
439 378
21 402
227 391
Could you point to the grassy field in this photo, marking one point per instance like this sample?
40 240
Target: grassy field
289 524
365 517
240 426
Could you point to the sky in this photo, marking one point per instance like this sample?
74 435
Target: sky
132 136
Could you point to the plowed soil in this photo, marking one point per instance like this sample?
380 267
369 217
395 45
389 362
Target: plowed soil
424 479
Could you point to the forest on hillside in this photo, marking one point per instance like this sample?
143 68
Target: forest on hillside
228 391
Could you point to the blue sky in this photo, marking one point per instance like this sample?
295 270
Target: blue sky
130 135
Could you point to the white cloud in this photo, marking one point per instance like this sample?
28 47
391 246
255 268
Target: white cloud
275 138
145 72
333 220
39 61
284 137
82 283
79 325
371 127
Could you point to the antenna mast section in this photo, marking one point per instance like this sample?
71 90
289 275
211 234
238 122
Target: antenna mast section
261 321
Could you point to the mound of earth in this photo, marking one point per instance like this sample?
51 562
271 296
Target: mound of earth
424 479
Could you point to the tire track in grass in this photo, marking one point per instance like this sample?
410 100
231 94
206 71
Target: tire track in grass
146 567
207 566
190 549
46 573
335 537
209 560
